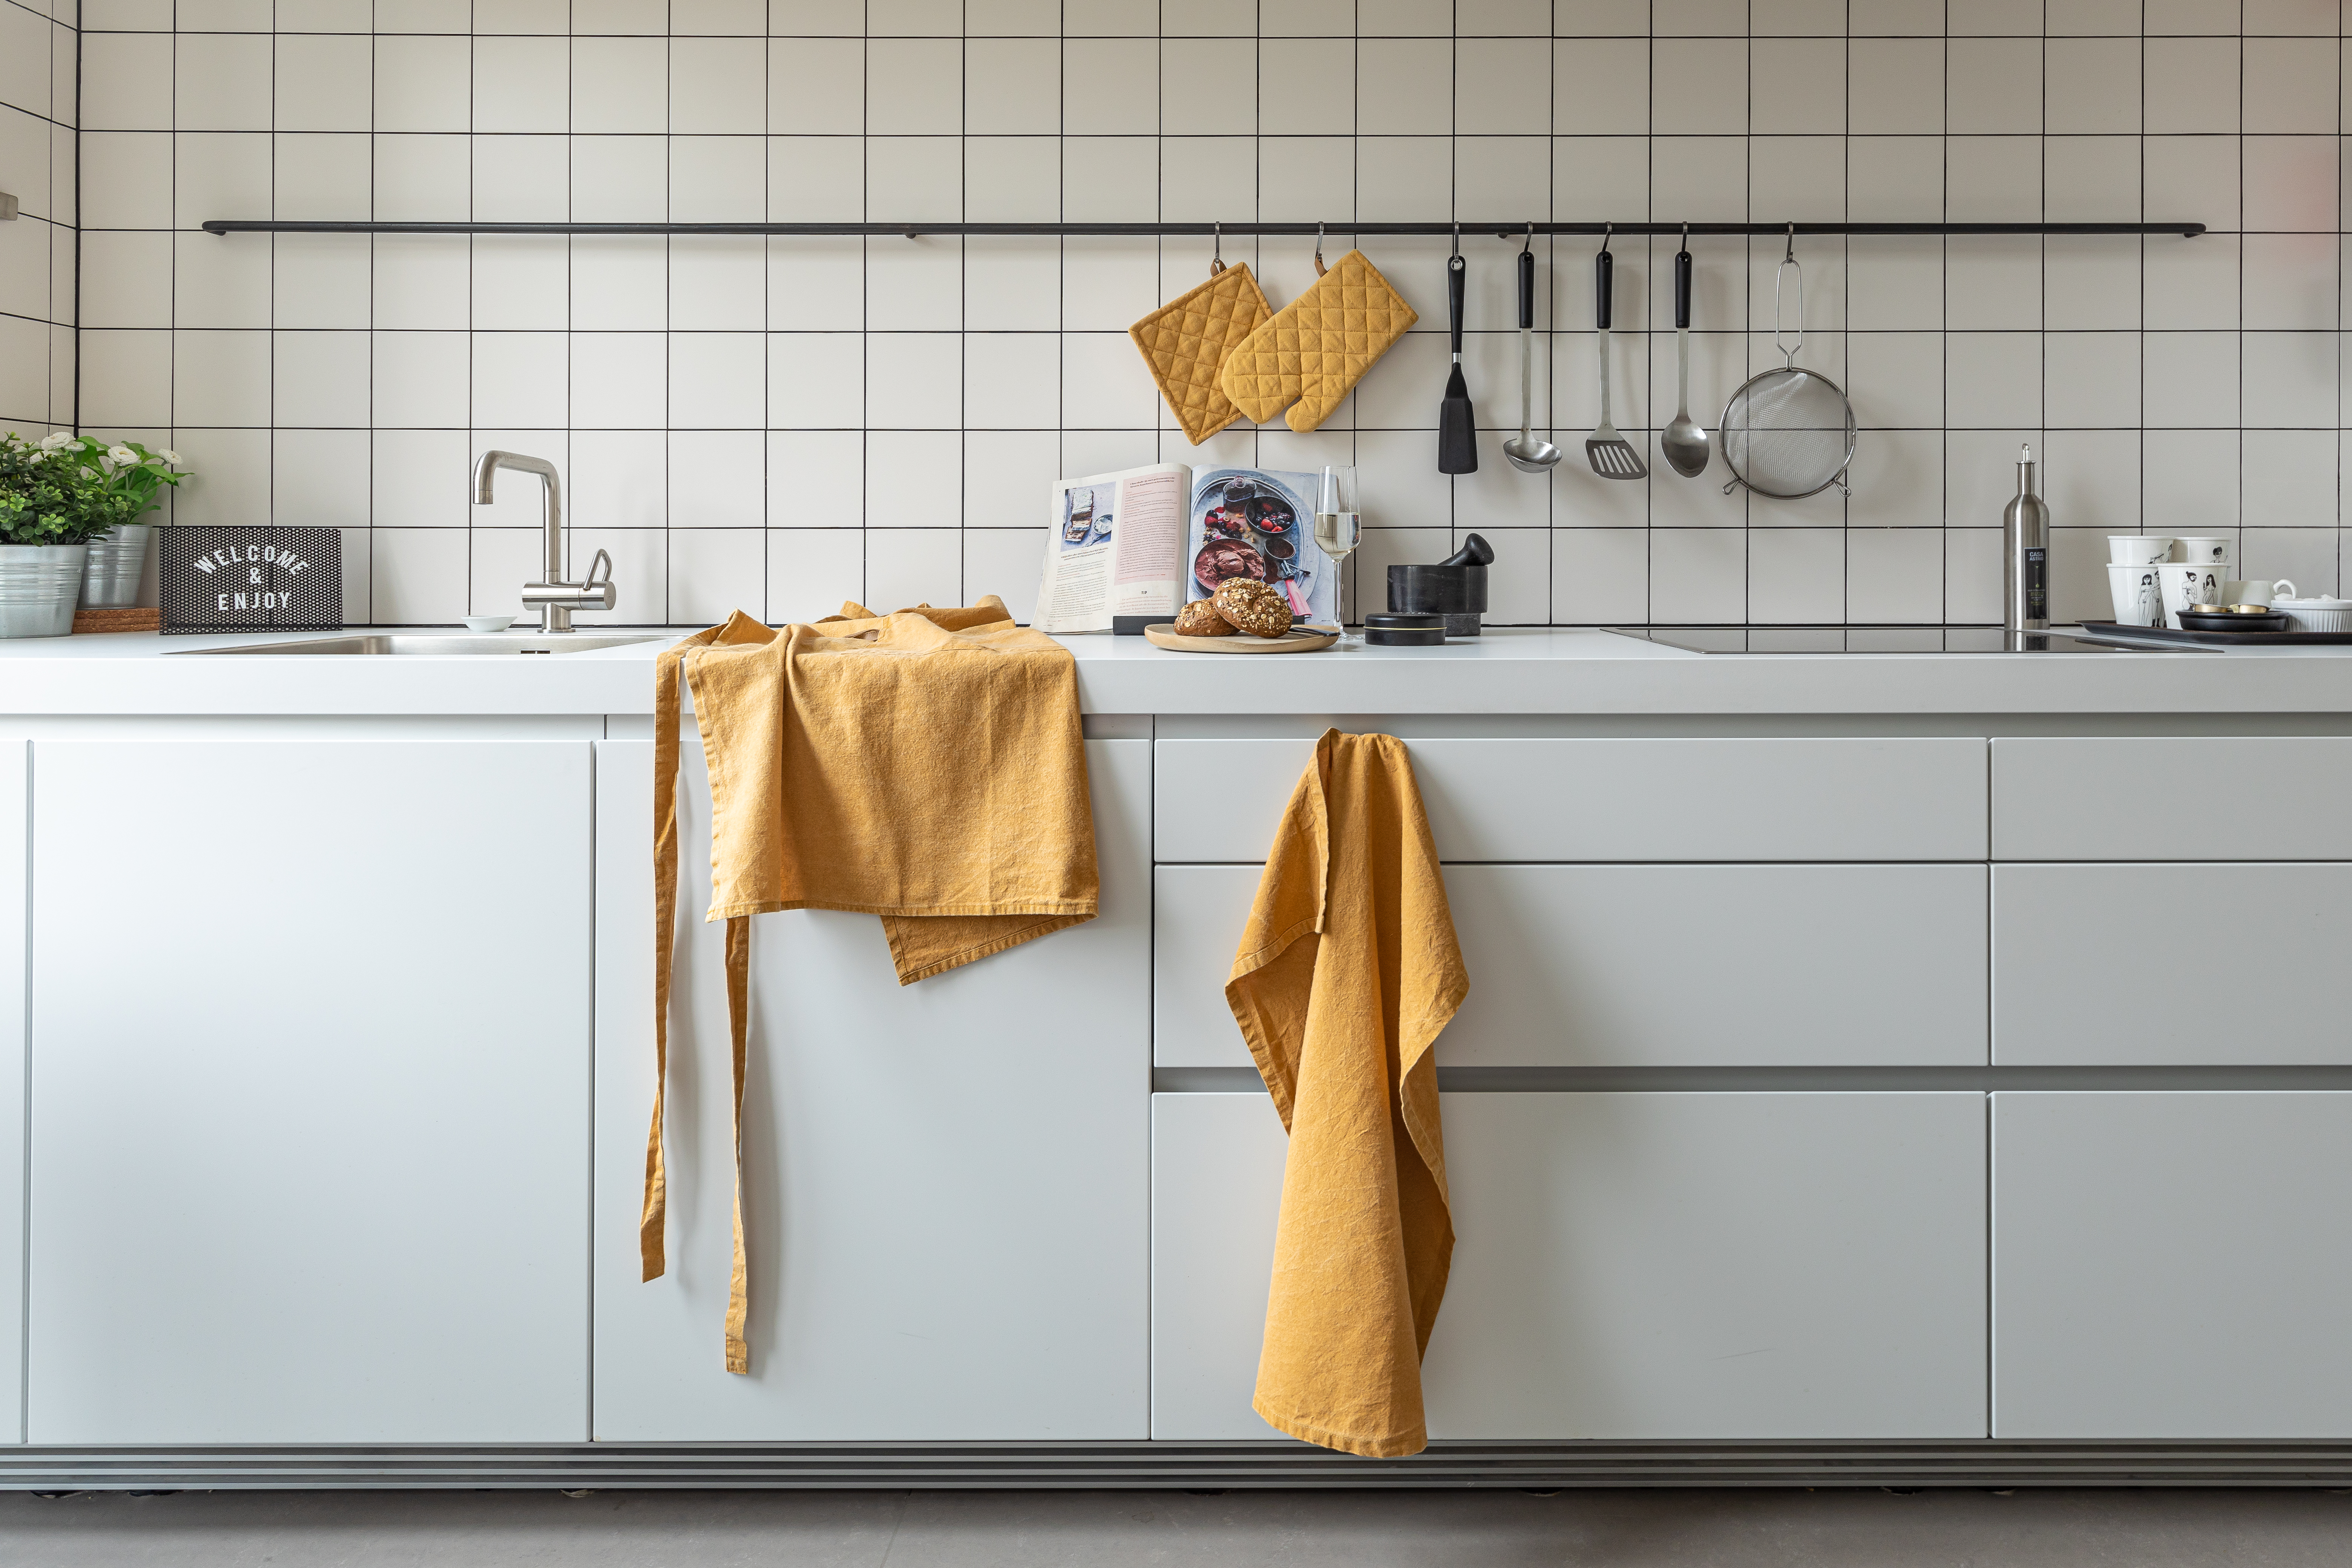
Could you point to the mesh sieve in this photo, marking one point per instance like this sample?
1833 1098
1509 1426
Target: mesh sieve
1788 433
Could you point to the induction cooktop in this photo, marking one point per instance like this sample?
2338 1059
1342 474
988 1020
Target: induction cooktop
1963 639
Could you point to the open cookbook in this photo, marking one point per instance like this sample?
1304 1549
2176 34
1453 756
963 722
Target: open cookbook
1144 541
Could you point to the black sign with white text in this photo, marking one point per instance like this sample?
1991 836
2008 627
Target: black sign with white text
224 578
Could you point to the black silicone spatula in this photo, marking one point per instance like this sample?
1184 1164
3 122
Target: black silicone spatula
1457 426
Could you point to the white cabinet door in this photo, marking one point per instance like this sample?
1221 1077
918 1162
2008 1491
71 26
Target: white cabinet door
2170 797
1907 797
2074 983
310 1074
15 757
1647 965
947 1185
1628 1265
2172 1265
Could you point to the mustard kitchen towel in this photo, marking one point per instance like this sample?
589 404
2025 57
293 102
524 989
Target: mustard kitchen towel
1347 973
926 766
1185 342
1315 350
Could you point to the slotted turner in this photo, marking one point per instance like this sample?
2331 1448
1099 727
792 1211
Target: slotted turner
1611 456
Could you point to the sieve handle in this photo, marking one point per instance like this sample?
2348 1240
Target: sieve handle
1789 264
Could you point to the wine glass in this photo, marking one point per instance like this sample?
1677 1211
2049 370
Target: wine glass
1338 526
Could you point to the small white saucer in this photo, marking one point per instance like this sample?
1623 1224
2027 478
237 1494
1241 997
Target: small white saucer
488 623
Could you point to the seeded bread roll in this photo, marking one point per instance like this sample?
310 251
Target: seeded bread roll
1253 606
1200 619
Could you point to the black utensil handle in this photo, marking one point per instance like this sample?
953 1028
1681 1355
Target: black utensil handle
1605 266
1456 270
1527 290
1682 289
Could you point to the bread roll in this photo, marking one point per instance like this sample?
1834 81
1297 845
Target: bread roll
1253 606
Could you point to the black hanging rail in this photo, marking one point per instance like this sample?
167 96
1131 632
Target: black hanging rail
1518 230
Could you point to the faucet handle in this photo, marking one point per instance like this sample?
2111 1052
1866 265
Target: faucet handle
598 592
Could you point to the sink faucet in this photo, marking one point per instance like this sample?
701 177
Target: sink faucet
555 597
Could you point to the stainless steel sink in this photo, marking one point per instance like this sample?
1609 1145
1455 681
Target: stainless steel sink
400 643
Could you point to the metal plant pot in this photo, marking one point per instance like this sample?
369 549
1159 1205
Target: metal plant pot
117 558
39 586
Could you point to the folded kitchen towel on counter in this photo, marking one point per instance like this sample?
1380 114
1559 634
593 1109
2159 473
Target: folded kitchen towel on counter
1315 350
1347 971
926 766
1185 342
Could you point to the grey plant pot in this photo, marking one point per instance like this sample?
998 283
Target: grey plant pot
39 586
117 558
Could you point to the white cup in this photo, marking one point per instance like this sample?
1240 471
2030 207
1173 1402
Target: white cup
2137 593
2186 583
2256 591
2138 549
2204 551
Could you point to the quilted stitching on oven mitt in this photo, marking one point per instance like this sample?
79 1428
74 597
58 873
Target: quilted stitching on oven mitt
1185 342
1318 346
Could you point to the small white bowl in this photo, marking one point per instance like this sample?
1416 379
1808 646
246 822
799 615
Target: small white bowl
488 623
2316 614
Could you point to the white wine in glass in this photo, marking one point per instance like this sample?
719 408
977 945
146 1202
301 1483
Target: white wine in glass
1338 526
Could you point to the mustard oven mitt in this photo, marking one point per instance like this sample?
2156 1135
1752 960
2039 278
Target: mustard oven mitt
1185 342
1315 351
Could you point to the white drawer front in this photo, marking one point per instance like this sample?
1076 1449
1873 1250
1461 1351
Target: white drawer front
2113 965
2172 1265
2167 798
1630 1265
1742 799
1645 965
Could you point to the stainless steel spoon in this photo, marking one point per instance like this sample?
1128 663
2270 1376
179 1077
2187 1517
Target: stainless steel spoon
1684 444
1528 454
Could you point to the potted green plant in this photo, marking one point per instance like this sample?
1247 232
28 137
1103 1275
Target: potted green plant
56 495
117 484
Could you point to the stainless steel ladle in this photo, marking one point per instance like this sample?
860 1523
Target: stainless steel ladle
1528 454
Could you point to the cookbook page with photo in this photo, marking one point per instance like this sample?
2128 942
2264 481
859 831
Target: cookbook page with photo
1260 523
1113 547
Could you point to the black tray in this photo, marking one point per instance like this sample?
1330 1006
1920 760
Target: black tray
2217 639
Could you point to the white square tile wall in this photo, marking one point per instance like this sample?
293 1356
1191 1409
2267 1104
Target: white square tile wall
38 49
777 425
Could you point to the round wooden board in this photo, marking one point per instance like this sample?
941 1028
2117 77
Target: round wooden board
1298 639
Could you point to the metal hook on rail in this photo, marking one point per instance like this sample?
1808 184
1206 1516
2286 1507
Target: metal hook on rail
1217 260
1319 268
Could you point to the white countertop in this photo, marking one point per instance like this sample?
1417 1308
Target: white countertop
1508 671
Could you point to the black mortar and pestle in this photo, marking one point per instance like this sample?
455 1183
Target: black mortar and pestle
1454 589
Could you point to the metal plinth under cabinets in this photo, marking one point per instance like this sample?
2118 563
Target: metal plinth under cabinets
1196 1465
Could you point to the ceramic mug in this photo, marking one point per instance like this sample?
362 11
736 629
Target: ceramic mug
2204 551
2137 593
2138 549
2256 591
2186 583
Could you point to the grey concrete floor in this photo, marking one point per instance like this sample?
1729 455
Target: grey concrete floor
1940 1529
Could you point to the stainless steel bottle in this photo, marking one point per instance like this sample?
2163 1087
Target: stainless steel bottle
2025 555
